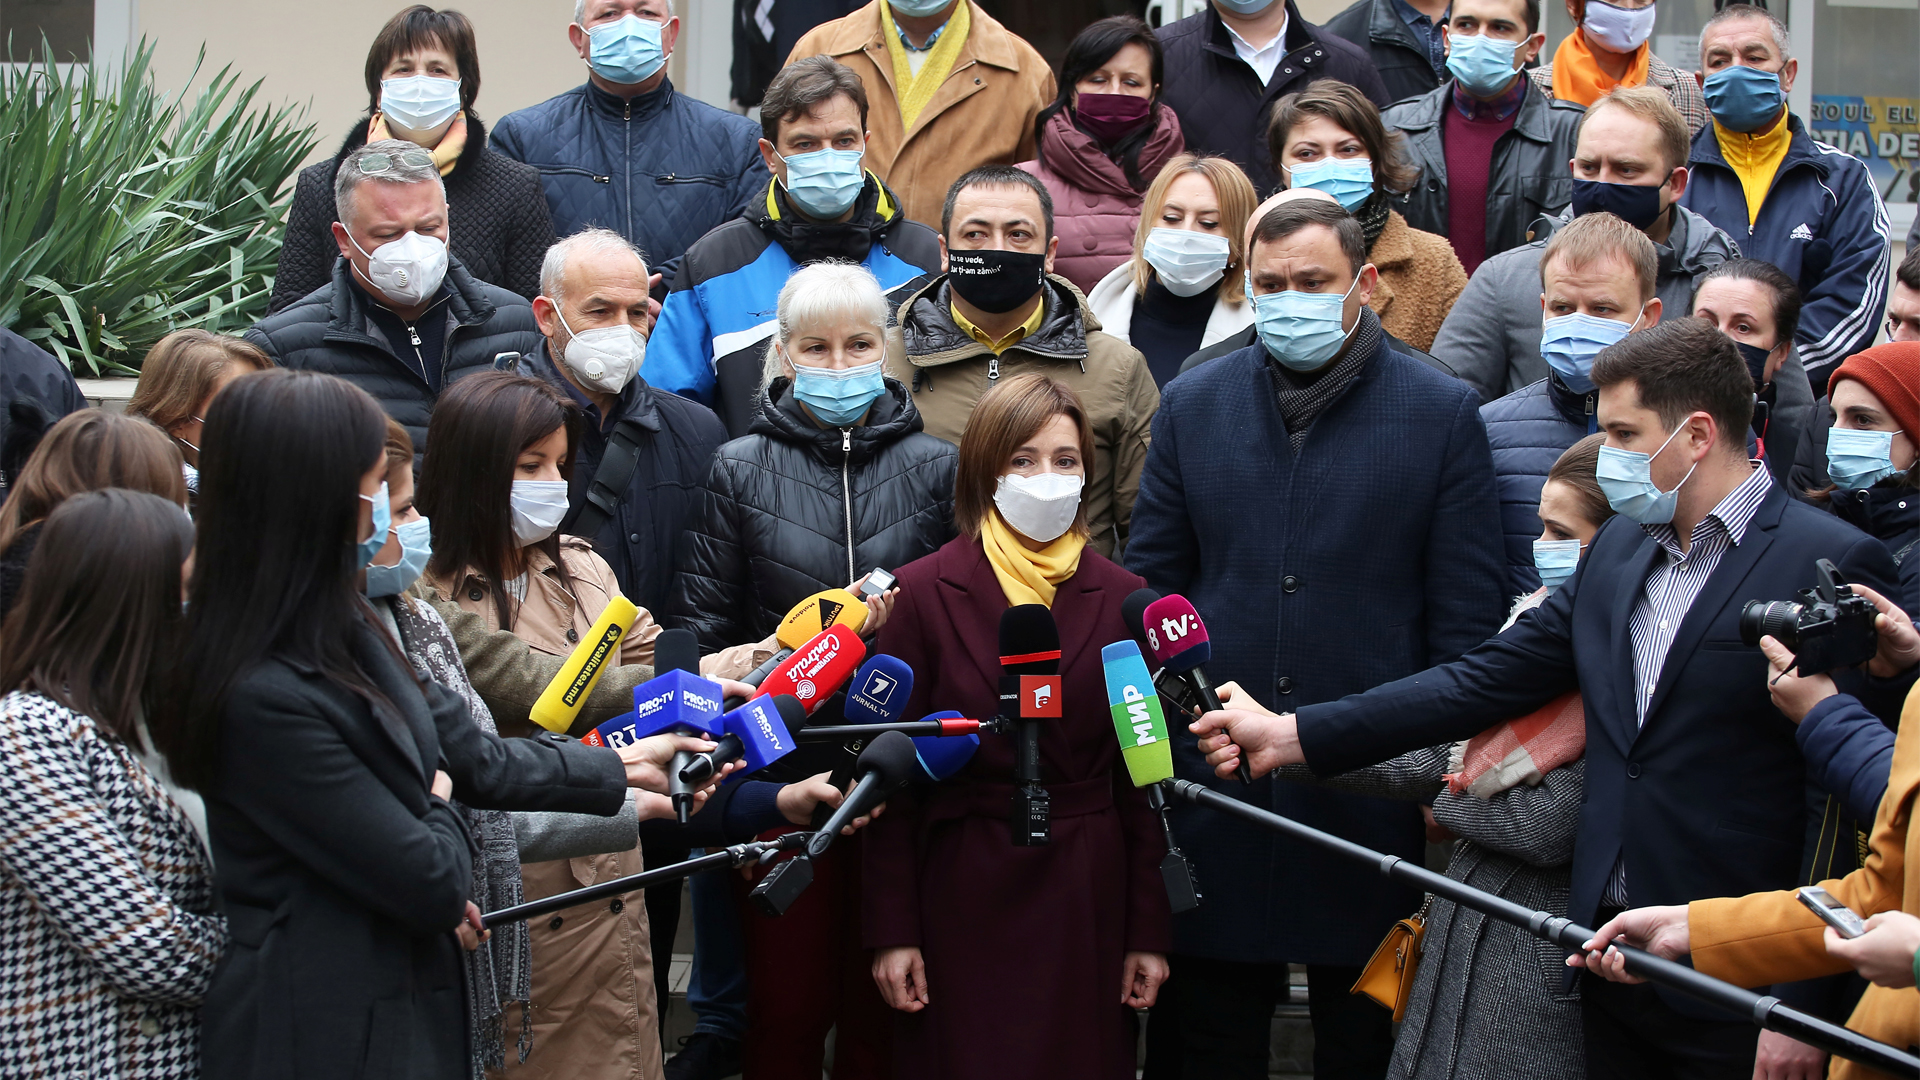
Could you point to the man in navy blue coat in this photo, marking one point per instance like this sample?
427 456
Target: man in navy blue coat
1694 784
1327 504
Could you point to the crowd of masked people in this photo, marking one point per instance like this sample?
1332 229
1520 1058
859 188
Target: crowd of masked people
1470 395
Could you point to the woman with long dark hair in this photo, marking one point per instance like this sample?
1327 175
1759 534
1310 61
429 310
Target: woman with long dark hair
1101 143
106 894
327 765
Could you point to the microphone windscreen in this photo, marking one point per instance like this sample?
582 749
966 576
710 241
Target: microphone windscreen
816 671
1029 641
792 713
892 756
762 731
1138 721
941 756
879 691
1133 612
829 607
1175 635
672 700
676 650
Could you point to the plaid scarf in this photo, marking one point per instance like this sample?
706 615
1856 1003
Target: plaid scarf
1302 397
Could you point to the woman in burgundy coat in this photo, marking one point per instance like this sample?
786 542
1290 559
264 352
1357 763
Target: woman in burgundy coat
1037 954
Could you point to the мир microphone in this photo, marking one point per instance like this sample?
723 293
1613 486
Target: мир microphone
1147 752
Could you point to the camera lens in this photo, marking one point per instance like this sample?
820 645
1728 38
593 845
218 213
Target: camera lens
1779 619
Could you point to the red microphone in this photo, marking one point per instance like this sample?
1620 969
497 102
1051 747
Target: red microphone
818 669
1178 640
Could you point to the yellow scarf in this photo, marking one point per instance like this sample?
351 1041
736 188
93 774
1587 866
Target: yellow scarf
1755 159
446 155
1028 576
1577 75
914 91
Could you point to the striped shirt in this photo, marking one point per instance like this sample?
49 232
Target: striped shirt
1670 591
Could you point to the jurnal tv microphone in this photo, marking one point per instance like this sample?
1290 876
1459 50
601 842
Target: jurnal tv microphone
1148 755
1029 693
877 694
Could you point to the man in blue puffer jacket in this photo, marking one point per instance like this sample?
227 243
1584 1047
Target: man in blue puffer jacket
625 151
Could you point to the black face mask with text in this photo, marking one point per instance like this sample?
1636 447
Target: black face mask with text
996 282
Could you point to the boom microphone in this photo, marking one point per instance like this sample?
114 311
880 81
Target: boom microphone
1178 640
1029 692
1142 730
806 620
759 731
888 763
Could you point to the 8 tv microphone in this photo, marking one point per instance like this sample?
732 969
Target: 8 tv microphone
1178 642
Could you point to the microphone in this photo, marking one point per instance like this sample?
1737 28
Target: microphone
1029 692
805 621
560 703
809 677
759 731
1144 747
877 695
676 699
1178 641
887 764
943 755
1173 688
936 726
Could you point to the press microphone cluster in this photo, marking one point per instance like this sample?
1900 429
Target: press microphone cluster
1177 640
1029 693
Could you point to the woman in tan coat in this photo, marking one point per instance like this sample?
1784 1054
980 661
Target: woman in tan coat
1771 937
1329 136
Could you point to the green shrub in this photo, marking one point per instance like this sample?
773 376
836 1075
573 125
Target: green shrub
124 216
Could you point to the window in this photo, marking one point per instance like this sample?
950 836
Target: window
64 26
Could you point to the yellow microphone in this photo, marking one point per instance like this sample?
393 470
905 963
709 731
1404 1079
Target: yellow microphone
560 703
804 622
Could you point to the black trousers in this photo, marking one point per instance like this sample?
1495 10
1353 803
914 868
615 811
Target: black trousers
1632 1033
1214 1021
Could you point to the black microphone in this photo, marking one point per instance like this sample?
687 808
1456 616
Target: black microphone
678 650
886 765
1029 692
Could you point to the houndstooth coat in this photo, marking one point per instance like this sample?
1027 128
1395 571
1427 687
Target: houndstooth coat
106 906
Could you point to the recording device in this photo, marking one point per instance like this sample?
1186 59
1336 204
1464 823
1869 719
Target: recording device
806 621
560 703
1029 693
1829 628
887 764
1842 918
1178 641
877 694
1144 747
760 732
877 583
678 700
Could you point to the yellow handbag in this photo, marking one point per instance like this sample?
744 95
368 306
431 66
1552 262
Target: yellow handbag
1388 977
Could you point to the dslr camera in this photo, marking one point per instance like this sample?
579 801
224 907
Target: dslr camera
1828 628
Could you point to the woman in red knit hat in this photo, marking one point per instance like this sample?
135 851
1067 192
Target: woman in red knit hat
1875 401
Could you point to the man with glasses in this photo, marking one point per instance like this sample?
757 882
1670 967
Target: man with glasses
401 318
624 150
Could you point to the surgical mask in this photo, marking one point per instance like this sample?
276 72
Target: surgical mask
408 270
1112 117
419 102
537 507
1349 180
839 397
625 51
604 359
1244 7
416 547
1859 459
1556 561
1756 358
1568 343
382 520
825 183
1302 330
1187 263
1041 507
1744 98
918 9
1483 64
1615 28
996 282
1636 204
1626 478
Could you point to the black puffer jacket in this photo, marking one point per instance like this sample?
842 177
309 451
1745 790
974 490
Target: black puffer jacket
496 212
328 330
772 526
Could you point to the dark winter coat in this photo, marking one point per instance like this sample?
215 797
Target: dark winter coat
661 169
1529 176
1096 208
1399 55
329 330
1368 555
1890 513
676 440
1528 430
793 508
1223 108
342 877
36 390
1036 934
496 213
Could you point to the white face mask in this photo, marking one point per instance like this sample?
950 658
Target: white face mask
419 103
605 359
538 506
407 271
1039 507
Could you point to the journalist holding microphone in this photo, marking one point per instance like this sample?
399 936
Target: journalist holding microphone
327 765
1017 962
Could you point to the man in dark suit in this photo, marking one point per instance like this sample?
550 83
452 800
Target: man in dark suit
1327 504
1694 784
